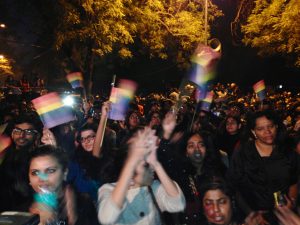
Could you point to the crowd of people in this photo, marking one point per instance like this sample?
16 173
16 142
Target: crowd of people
169 162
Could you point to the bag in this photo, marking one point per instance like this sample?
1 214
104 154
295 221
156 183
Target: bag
18 218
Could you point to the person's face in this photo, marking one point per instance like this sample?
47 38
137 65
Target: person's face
87 140
265 130
217 207
298 148
46 173
144 175
134 120
232 126
196 149
155 119
24 135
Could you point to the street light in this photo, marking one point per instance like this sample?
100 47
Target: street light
1 56
2 25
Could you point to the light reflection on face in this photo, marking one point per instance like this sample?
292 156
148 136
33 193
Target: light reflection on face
46 173
196 149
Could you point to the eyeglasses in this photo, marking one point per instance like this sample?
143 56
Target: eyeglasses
27 132
87 139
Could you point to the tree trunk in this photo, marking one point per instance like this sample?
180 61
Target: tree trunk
89 68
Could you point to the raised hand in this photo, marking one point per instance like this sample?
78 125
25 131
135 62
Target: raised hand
169 124
255 218
152 145
287 216
48 137
105 108
140 144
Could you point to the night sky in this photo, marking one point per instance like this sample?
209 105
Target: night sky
239 64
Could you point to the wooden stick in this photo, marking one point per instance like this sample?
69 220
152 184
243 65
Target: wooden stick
105 120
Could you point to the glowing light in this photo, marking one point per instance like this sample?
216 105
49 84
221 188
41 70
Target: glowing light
2 25
68 101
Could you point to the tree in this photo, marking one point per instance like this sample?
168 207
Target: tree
5 66
273 28
160 28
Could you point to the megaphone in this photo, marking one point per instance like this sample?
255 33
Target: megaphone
215 44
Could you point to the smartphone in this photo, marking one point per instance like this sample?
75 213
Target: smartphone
279 198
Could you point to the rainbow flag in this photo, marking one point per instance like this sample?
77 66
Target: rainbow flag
52 111
3 127
5 141
128 85
206 102
120 97
75 79
260 89
203 65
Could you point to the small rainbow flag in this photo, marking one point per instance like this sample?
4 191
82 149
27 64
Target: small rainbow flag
120 97
5 141
260 89
203 65
75 79
206 102
52 110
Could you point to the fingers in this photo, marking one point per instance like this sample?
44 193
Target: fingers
142 143
255 218
106 107
287 216
48 137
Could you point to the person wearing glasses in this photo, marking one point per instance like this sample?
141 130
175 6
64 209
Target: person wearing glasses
14 188
86 166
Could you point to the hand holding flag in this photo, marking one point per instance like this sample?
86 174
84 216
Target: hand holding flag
260 89
75 79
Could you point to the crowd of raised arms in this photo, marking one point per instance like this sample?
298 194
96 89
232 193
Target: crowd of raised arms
234 163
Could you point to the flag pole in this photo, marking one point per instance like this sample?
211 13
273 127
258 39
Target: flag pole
105 120
193 118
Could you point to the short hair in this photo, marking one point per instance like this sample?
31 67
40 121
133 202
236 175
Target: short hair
86 126
31 118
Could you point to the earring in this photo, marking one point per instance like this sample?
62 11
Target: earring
65 176
254 135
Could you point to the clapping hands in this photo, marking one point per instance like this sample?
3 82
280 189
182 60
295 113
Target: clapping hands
143 145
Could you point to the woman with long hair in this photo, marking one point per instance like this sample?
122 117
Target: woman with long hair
55 201
198 159
228 137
